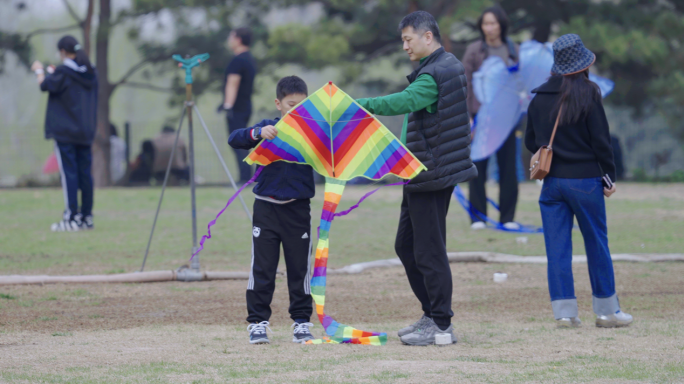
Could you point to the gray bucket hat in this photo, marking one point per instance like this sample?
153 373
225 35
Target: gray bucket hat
570 56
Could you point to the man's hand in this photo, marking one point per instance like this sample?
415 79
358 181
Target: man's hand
609 192
36 66
269 132
225 108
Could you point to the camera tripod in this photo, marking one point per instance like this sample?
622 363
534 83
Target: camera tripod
193 272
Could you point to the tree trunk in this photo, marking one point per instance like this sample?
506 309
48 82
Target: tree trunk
101 147
87 26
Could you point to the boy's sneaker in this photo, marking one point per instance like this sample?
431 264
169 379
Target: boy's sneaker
430 335
301 333
257 333
422 322
85 222
619 319
65 225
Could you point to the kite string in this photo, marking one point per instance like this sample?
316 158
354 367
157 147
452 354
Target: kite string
232 198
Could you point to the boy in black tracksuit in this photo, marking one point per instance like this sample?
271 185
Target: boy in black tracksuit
70 120
282 214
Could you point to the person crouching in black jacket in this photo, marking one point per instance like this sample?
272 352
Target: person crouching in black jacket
70 120
582 156
282 214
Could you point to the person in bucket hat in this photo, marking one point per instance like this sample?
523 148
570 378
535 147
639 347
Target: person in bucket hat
582 157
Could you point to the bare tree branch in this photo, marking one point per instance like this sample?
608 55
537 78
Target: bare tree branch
150 87
72 12
130 72
51 30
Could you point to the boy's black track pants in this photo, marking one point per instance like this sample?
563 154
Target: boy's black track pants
273 224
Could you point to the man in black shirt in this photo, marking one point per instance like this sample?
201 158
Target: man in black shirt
237 90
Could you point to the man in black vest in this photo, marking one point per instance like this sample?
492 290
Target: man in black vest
437 131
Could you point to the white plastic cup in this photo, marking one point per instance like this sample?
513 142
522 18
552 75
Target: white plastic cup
500 277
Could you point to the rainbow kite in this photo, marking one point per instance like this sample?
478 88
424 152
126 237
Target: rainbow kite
341 141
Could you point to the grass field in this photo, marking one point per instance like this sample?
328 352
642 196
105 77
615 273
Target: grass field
642 218
195 332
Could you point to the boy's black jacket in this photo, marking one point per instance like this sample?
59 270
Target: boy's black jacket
72 106
280 180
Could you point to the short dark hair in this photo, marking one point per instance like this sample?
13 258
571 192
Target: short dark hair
421 21
168 129
291 85
245 35
501 17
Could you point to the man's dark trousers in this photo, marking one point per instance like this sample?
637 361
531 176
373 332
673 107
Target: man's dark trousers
508 182
273 224
74 162
421 247
240 120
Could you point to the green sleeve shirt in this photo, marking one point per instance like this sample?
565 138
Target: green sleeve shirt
421 94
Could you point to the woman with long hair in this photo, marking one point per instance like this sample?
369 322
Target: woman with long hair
493 27
574 187
70 121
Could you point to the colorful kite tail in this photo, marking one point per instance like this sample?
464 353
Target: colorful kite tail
336 332
230 201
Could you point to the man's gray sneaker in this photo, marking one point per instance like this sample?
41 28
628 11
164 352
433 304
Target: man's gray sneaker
257 333
430 335
301 332
422 322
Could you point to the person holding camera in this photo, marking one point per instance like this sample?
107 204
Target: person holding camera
70 121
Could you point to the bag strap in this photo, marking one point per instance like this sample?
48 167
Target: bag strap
555 127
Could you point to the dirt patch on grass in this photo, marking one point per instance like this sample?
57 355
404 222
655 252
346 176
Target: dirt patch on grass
185 332
376 296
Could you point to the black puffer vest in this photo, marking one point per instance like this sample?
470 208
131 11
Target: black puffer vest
441 140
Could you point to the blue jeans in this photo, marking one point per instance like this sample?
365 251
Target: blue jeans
560 201
74 165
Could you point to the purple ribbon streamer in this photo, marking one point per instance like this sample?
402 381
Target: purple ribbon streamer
358 203
232 198
364 197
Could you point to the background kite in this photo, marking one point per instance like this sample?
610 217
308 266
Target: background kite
505 94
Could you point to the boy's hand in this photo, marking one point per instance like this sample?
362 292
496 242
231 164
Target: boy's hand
269 132
609 192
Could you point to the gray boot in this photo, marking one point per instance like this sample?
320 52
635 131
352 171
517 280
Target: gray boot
422 322
430 335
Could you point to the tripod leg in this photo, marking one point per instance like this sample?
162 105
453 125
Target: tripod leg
166 178
223 163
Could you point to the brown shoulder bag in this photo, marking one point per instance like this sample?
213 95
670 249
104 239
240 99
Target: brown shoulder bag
540 164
